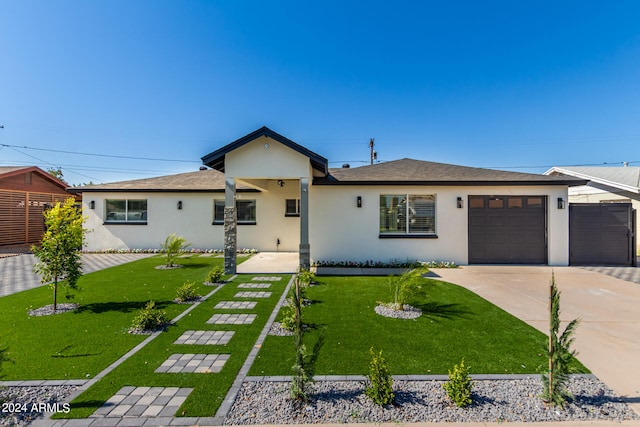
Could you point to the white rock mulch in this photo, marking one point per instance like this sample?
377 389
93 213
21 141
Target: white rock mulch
47 310
408 312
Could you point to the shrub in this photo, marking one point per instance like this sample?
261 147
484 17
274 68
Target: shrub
380 388
559 352
149 318
408 285
306 277
172 246
459 386
187 292
215 274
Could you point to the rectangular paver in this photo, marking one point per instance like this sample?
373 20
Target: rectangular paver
266 278
188 363
232 319
236 305
205 338
254 285
249 294
145 401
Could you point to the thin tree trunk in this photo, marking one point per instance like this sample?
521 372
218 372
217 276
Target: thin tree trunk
55 294
551 334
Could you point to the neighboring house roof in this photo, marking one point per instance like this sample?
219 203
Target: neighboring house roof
215 160
9 171
625 178
418 172
201 181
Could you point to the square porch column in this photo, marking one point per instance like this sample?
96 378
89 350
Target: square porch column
230 226
305 249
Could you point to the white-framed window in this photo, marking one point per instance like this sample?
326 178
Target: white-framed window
407 214
246 211
125 211
292 207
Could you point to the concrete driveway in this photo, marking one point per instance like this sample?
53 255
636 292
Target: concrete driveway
607 340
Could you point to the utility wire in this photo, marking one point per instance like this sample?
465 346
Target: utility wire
51 164
97 154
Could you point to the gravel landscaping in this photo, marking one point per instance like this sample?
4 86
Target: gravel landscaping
425 401
21 405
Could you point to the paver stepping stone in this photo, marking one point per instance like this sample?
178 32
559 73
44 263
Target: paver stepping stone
266 278
143 402
254 285
196 363
248 294
205 337
232 319
241 305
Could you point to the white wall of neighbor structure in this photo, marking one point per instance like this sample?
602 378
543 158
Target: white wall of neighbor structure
193 221
339 230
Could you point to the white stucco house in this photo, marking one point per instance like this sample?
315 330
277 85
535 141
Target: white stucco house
286 198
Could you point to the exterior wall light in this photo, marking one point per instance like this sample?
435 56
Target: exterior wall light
359 201
459 203
92 204
561 203
180 205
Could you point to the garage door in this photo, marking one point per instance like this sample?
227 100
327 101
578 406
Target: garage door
507 230
601 234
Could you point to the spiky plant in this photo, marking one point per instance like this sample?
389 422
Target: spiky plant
172 246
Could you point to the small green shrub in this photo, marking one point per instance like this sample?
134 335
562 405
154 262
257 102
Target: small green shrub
306 277
409 285
149 318
172 246
215 275
187 292
380 388
459 386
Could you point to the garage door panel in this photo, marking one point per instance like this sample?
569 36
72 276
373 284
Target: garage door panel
507 230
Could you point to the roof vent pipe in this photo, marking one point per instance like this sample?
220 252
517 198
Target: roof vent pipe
346 166
625 164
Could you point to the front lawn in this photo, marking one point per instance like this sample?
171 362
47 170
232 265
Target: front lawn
455 324
81 343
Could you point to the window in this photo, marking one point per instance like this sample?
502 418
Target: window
246 210
126 211
292 207
407 214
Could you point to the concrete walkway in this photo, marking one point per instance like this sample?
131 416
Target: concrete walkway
608 338
16 272
270 262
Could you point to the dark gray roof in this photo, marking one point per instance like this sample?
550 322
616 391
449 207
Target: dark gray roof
215 159
200 181
418 172
623 177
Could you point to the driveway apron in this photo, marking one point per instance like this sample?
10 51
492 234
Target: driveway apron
607 339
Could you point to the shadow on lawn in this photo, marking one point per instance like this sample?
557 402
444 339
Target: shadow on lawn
435 310
124 307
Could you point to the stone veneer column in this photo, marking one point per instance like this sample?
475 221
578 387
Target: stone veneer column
305 248
230 227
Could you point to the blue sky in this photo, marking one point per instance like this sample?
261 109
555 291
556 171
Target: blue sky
514 85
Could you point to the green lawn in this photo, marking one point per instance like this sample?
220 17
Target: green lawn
81 343
78 345
455 324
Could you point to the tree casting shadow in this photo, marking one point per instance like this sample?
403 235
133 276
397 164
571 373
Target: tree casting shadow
123 307
435 310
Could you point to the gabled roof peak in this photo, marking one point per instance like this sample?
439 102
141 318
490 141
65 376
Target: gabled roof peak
215 159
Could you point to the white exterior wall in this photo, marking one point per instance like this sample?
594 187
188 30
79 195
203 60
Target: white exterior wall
193 221
341 231
255 160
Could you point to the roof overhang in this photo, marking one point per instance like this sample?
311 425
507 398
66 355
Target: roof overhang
562 171
215 160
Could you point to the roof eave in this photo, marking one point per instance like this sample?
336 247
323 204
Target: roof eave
570 183
588 178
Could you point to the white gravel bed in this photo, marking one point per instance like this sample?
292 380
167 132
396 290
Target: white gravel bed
19 406
408 312
425 401
47 310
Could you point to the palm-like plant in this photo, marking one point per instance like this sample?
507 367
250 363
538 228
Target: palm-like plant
172 246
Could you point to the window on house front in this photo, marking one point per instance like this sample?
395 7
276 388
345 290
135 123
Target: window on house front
126 211
292 207
407 214
246 211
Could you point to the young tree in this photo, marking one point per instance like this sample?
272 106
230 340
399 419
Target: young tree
559 352
59 252
172 245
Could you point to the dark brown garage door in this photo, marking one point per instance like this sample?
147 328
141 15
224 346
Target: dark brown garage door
507 230
601 234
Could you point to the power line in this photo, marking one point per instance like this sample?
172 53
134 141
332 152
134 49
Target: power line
97 154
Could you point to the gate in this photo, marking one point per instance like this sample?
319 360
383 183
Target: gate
602 234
